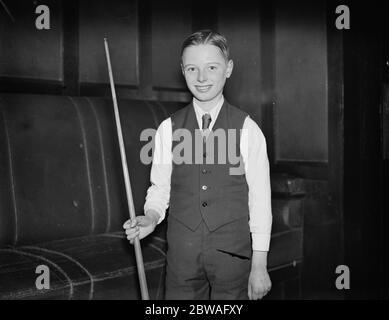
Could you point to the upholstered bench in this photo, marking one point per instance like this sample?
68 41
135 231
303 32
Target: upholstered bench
63 201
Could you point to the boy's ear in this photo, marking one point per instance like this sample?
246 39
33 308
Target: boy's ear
230 66
182 69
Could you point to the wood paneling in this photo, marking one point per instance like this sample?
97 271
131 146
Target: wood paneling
239 22
335 115
145 49
119 23
267 29
385 119
204 19
279 51
71 65
25 51
300 120
364 249
171 24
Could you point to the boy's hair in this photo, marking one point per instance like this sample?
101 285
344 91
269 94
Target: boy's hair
207 37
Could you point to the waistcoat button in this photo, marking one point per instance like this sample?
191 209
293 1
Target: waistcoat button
204 187
204 171
204 204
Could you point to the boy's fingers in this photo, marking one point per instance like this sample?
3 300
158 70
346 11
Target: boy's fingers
138 221
126 224
133 235
132 230
130 223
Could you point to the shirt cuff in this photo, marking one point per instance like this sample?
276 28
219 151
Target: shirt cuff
261 242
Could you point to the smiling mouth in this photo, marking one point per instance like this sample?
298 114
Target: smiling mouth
203 88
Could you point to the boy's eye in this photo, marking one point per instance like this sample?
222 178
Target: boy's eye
212 68
190 69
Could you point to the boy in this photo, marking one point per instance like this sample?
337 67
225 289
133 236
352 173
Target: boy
212 210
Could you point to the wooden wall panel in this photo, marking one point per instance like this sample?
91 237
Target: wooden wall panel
385 120
171 24
239 22
301 121
118 22
25 51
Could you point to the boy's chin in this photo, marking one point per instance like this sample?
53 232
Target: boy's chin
204 97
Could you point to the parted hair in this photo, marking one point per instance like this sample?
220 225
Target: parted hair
207 37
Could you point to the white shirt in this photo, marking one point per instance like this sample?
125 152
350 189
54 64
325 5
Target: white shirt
256 164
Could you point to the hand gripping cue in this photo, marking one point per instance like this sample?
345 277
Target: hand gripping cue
138 250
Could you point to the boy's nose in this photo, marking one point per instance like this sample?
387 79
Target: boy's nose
202 76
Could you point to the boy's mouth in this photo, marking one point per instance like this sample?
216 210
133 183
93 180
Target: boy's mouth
203 89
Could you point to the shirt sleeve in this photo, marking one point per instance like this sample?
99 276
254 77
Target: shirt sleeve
257 171
158 194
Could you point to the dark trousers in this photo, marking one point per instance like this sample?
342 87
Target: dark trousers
203 265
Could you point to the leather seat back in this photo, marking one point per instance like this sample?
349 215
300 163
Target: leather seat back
60 168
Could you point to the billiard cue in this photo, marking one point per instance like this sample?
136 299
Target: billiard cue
138 250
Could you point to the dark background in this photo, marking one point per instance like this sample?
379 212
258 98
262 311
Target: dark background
318 93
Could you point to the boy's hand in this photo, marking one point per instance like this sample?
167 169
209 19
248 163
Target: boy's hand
141 226
259 281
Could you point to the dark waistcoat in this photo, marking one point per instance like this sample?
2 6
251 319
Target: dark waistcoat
208 191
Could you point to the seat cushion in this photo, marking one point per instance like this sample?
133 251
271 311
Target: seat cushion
91 267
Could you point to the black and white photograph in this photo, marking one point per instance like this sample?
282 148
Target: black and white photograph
193 150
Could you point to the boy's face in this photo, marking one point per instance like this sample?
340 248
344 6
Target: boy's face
205 70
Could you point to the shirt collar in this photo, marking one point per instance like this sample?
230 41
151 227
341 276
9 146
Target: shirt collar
214 112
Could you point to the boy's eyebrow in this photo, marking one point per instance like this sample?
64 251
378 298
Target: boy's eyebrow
191 64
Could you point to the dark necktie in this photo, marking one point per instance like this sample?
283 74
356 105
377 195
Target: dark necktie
206 121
